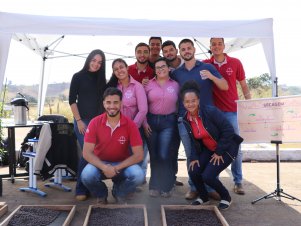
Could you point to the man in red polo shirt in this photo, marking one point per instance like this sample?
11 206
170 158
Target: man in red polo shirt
141 70
112 147
233 72
155 45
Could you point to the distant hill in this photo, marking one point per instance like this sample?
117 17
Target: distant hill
290 90
57 90
61 91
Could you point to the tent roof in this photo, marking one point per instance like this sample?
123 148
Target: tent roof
34 24
246 32
60 45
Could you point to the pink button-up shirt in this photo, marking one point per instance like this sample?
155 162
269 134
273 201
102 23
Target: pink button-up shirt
134 102
162 100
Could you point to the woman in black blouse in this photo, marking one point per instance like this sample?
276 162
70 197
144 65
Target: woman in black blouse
85 99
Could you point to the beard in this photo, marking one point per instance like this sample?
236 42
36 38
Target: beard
142 62
187 58
112 114
171 59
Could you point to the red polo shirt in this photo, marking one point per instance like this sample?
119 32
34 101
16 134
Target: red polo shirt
232 70
112 144
199 132
140 75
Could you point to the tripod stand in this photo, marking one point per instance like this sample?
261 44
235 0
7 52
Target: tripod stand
278 193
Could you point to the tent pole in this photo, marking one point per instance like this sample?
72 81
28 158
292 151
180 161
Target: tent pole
41 87
198 44
41 96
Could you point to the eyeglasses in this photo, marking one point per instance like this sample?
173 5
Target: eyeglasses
161 67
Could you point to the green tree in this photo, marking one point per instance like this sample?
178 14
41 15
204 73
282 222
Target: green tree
260 86
263 81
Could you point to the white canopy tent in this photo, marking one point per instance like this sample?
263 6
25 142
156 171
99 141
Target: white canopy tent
246 32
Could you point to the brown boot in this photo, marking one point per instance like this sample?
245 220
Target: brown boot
238 189
190 195
214 195
81 197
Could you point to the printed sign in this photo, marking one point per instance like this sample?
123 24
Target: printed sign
267 119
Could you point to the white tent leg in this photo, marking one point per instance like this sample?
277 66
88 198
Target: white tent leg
41 85
4 48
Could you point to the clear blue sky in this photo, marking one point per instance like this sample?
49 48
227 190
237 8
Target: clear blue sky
24 67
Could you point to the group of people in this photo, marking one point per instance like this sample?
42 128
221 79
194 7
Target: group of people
150 107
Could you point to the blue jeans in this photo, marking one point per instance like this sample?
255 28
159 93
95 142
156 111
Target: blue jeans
187 147
207 173
236 166
124 183
176 141
144 162
160 148
80 188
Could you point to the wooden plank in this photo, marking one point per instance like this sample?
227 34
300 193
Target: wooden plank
3 208
6 220
69 208
199 207
115 206
220 217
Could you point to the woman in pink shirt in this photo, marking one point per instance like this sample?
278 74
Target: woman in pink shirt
162 95
134 102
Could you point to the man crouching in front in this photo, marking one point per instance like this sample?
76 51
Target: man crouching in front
112 147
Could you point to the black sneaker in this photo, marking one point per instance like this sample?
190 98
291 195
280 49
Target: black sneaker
224 204
199 201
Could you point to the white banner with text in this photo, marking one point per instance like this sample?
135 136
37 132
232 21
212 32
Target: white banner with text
267 119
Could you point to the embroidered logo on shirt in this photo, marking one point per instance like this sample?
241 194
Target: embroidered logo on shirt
128 94
170 89
122 140
229 71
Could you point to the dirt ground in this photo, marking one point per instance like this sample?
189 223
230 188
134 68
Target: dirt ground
259 180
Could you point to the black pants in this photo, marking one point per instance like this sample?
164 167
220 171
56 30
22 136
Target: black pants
207 173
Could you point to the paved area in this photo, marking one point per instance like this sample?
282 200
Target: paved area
260 179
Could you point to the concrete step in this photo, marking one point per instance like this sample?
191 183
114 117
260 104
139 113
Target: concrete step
261 152
270 155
